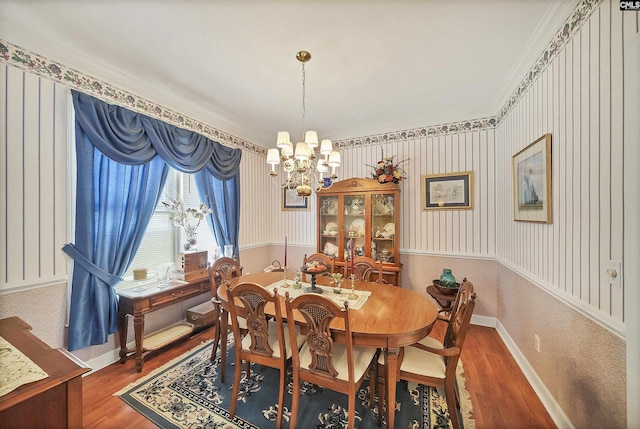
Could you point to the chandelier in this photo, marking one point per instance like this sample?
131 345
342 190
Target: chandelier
304 172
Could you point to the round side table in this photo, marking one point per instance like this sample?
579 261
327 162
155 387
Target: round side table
445 301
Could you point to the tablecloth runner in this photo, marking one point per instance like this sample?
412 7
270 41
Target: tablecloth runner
354 304
16 369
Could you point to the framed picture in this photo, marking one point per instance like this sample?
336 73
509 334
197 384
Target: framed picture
532 182
292 201
447 191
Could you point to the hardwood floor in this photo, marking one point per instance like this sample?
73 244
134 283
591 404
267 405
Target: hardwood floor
501 395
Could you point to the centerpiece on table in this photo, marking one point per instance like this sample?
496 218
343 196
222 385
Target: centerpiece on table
187 218
387 170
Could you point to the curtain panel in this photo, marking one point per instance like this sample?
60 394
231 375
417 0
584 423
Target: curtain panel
123 161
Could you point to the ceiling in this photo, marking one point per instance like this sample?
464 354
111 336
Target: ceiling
376 66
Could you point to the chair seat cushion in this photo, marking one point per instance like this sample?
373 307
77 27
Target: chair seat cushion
274 343
242 322
422 362
362 357
431 342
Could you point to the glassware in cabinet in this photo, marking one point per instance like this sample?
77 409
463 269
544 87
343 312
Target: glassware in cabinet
383 227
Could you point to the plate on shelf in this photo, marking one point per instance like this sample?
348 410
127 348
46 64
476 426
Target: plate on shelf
357 226
331 229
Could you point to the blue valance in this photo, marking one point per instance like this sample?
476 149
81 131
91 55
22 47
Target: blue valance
132 138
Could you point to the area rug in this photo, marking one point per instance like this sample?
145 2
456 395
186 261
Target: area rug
187 393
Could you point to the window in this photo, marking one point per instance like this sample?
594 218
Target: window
162 239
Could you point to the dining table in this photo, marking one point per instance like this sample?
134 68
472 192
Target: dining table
383 316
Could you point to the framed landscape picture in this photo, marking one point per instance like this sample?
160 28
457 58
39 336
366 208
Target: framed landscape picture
292 201
532 182
447 191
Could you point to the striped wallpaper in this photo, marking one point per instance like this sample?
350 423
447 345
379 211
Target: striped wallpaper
33 179
577 98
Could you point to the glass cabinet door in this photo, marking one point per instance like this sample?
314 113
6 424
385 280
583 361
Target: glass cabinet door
383 228
354 225
329 229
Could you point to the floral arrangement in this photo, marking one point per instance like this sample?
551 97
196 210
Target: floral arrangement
386 170
187 218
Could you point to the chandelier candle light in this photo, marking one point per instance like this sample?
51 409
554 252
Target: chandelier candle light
284 268
299 165
353 274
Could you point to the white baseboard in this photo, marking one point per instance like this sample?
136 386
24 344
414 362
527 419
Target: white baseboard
549 402
487 321
106 359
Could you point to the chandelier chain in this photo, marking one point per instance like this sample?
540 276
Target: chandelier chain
304 93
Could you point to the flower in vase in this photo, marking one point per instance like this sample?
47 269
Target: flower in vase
187 218
386 171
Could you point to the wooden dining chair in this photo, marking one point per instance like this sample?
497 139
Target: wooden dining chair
220 271
365 268
267 341
433 363
338 366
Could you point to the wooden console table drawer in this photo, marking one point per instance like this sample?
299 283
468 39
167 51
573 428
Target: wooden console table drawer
177 295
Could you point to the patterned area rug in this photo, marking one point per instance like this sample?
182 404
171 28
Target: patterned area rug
187 393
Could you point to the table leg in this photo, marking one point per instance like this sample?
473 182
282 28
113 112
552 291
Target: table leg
123 328
138 328
391 377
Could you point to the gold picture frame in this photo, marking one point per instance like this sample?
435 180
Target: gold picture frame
450 191
292 201
531 171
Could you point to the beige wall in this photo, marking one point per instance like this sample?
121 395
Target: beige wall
581 363
419 271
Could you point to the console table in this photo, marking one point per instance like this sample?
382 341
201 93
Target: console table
55 401
137 303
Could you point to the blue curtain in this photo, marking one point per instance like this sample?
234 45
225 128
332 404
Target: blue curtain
221 196
122 168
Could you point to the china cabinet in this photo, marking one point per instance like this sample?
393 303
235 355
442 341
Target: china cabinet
365 213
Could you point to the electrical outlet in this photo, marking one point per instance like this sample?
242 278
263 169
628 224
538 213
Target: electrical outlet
613 270
536 342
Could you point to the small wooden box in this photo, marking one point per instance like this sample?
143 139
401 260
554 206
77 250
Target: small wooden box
202 315
187 262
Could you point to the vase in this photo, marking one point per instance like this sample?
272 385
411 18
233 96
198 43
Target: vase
447 279
191 241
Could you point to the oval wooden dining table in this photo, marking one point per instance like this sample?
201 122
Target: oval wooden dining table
391 318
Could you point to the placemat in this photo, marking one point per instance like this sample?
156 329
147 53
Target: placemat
339 299
16 369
